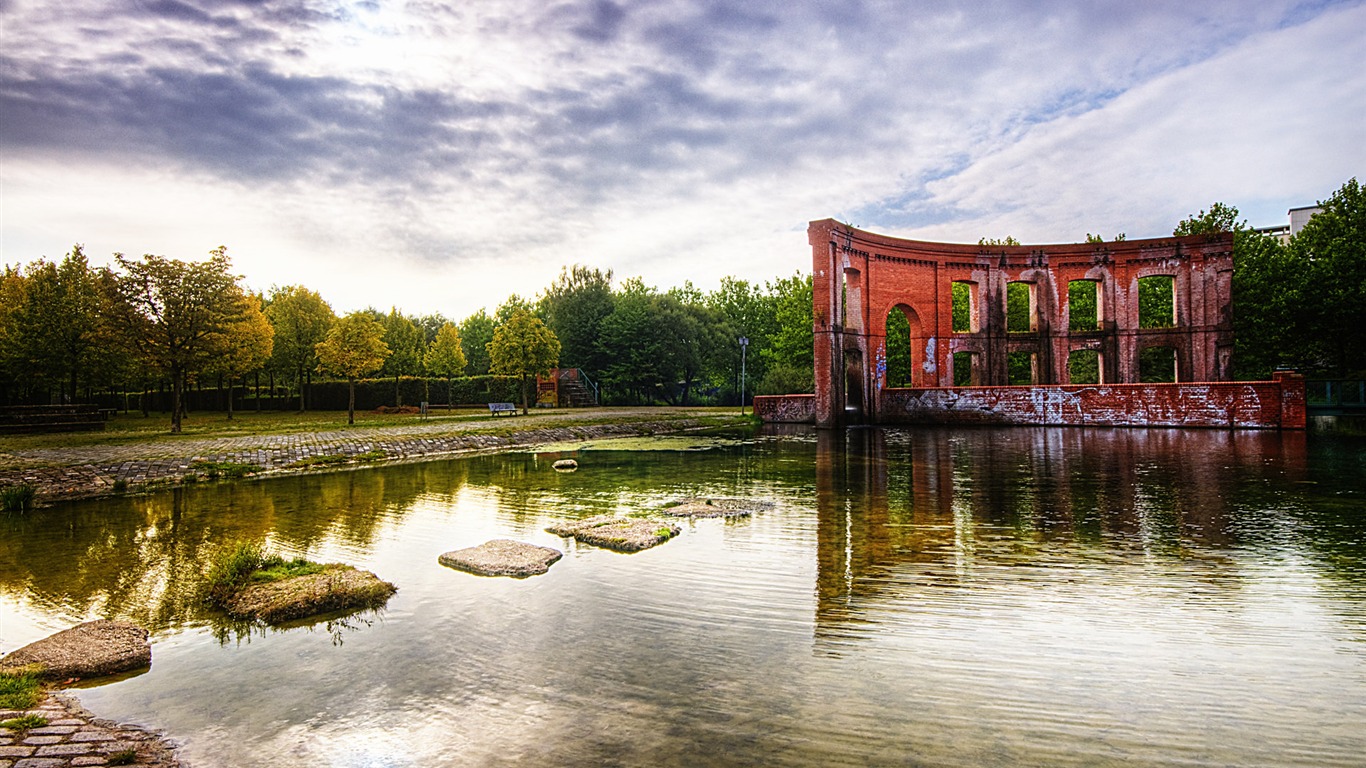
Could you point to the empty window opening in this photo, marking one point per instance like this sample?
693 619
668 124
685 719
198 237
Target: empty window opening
1083 366
853 381
1083 305
965 307
898 349
1156 301
1020 307
1157 365
1020 368
965 370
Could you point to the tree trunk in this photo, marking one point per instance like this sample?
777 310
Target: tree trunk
301 390
177 389
351 400
524 406
398 399
258 391
448 394
229 398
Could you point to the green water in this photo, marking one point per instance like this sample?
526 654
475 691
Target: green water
930 597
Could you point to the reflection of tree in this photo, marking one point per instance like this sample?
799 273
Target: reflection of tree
929 507
142 558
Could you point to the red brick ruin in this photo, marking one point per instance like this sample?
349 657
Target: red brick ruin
859 277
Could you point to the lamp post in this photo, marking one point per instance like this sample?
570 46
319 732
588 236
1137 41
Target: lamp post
744 345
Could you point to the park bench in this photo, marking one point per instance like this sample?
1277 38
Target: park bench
19 419
497 408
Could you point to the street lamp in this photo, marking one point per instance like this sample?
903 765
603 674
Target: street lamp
744 345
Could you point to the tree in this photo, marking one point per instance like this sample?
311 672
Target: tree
404 340
523 346
476 331
245 344
747 312
172 312
445 357
60 322
992 241
631 340
353 348
301 320
1219 218
790 351
1332 247
574 307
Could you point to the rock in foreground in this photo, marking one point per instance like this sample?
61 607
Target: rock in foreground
336 588
623 534
712 507
92 649
503 557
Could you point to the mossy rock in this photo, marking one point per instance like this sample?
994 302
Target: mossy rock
502 557
622 534
336 588
93 649
714 507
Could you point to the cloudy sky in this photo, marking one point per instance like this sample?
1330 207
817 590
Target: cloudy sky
440 156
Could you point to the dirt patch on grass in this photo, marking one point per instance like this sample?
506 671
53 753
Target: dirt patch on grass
336 588
623 534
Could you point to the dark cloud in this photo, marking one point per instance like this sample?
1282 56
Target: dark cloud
603 23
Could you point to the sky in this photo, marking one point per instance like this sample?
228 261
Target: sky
439 157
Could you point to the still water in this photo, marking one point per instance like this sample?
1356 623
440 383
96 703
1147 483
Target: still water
930 597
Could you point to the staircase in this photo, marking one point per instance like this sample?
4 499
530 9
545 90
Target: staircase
576 389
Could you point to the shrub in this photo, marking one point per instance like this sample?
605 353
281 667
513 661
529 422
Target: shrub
20 689
17 498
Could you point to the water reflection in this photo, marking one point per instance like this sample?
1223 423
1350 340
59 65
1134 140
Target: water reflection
939 509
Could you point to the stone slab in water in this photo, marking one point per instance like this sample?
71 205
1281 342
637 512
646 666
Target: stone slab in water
623 534
93 649
337 588
503 557
565 465
714 507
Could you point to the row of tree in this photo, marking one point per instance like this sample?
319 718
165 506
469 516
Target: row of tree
68 329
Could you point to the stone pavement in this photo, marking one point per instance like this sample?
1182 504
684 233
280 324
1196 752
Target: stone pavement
94 470
74 737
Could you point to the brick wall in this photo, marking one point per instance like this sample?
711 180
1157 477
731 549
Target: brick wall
1276 404
786 409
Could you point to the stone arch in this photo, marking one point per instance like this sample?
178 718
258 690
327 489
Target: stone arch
919 352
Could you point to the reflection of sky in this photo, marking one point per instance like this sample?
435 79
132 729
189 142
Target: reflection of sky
907 617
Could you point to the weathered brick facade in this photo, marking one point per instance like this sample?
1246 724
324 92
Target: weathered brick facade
860 276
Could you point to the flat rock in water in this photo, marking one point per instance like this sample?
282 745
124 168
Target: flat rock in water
711 507
92 649
337 588
566 465
503 557
623 534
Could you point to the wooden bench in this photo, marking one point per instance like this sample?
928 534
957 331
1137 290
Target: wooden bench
497 408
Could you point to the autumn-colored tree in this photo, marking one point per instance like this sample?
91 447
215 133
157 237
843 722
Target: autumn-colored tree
173 312
523 346
445 357
476 331
245 345
404 340
353 348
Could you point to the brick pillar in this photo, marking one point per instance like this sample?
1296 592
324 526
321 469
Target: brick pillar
1292 399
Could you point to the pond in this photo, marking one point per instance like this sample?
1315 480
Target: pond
937 597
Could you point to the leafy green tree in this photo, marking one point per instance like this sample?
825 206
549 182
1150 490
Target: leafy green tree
523 346
13 295
789 352
61 322
1332 246
354 347
445 356
992 241
476 331
574 307
1219 218
404 340
748 312
898 349
631 339
301 320
511 306
172 312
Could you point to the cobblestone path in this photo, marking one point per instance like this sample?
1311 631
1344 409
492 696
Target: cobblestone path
74 737
94 470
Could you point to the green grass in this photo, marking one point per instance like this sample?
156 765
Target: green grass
247 563
122 757
20 690
319 461
24 723
17 498
229 469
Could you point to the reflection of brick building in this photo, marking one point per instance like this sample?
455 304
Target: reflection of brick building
860 277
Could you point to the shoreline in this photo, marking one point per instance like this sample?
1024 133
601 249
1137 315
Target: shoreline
86 472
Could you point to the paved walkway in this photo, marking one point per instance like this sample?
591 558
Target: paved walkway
95 469
75 737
